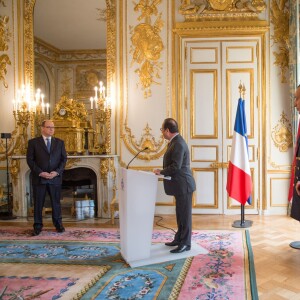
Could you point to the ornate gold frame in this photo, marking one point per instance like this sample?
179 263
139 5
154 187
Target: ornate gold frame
29 42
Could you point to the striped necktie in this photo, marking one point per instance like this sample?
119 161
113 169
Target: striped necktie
48 144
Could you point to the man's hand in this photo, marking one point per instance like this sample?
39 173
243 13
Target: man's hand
156 172
297 187
47 175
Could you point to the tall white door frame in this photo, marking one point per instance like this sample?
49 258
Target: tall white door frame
211 71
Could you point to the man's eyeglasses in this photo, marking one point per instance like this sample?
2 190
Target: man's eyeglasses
162 129
49 127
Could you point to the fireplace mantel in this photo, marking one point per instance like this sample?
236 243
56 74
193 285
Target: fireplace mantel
104 166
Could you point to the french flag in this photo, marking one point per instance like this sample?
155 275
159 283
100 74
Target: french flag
239 183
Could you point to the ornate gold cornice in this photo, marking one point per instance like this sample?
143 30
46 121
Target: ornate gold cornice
221 28
221 9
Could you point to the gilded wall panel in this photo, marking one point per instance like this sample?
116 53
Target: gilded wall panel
204 153
204 103
206 195
203 55
279 191
146 101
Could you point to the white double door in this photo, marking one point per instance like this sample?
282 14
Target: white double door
213 71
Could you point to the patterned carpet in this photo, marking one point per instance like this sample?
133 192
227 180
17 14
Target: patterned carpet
86 264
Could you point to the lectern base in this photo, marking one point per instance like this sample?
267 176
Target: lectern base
161 253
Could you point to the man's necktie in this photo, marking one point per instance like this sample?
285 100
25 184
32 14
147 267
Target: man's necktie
48 144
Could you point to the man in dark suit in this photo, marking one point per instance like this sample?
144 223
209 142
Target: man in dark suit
176 164
46 158
295 210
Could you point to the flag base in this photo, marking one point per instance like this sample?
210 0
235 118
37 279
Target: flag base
242 224
295 245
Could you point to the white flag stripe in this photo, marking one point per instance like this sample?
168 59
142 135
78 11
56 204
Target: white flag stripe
239 153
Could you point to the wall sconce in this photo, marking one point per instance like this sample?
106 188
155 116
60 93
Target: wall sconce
101 116
28 112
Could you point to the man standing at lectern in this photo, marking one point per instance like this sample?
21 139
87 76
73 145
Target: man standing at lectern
176 164
46 158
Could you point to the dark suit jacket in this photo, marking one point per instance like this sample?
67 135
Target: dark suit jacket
177 165
39 160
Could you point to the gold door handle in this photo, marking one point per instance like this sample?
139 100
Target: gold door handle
219 165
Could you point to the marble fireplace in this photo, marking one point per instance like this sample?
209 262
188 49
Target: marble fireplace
98 170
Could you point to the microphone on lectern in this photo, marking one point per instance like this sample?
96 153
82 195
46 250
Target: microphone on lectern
146 148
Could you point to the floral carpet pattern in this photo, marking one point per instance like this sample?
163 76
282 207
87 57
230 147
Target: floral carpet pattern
225 273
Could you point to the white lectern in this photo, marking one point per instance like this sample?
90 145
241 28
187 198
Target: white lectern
137 196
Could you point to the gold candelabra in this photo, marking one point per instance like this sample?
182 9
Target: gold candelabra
28 113
101 116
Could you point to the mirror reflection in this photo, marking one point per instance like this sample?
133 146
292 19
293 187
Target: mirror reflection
69 48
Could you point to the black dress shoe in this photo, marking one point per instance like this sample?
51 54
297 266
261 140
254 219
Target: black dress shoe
173 243
181 248
60 229
36 232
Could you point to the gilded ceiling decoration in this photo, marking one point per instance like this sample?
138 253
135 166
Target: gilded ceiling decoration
147 45
4 40
194 10
282 134
280 19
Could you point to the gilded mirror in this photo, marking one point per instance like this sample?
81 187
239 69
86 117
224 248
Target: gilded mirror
29 59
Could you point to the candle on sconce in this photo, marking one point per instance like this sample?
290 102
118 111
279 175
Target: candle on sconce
14 104
47 108
42 96
91 99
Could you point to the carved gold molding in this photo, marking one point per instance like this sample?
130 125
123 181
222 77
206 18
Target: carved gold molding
221 9
4 40
282 134
71 162
280 19
155 148
147 45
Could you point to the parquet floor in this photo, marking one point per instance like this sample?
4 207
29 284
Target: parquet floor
277 265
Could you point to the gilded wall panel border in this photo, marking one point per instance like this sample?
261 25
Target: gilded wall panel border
193 75
205 147
272 184
212 61
216 192
251 60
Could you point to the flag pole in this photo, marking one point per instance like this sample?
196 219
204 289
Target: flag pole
241 118
242 223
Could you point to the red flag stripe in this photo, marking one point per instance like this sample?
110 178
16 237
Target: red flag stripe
239 184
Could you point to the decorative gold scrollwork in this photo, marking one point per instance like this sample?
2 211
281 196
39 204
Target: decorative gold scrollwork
71 162
219 165
14 170
282 134
155 148
4 40
194 10
280 18
147 45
